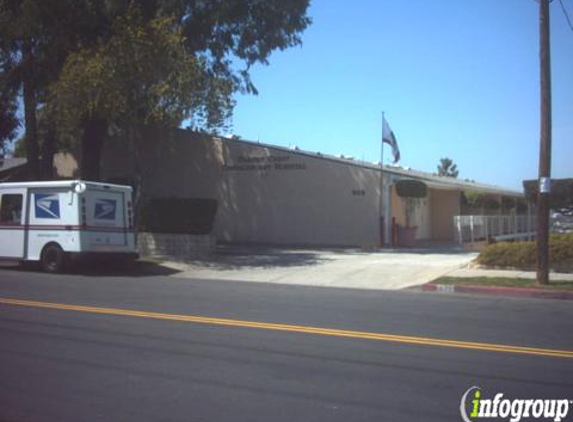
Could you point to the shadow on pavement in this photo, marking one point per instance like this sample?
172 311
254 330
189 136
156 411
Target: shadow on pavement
139 268
234 256
228 257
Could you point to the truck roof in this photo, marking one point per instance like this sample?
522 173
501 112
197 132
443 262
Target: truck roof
62 184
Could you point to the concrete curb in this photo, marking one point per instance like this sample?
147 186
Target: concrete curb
499 291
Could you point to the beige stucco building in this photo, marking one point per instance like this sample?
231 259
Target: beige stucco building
275 195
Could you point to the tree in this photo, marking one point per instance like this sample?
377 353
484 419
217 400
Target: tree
482 200
35 38
244 30
447 168
142 75
223 39
9 122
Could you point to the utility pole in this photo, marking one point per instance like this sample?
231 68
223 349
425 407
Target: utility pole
545 147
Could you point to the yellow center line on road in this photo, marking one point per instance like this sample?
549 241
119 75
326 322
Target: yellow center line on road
426 341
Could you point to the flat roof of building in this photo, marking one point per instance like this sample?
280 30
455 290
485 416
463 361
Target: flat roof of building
432 180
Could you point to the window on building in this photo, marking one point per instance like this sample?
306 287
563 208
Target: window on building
11 208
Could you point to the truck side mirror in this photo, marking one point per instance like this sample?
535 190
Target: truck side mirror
80 187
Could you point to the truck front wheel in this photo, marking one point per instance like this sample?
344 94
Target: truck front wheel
53 259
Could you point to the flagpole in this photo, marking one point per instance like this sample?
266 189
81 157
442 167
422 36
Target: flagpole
381 222
382 148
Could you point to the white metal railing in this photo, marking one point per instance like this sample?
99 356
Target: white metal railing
476 228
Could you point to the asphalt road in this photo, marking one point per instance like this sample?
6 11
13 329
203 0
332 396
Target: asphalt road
77 365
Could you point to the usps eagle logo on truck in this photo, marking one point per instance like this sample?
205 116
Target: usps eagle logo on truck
105 209
47 205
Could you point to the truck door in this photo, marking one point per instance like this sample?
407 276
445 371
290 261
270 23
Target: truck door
12 223
106 218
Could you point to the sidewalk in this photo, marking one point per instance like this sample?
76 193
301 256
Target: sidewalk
348 268
384 269
507 291
479 272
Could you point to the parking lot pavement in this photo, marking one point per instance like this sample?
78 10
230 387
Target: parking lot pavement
349 268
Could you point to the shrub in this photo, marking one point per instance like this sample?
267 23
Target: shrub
491 203
478 199
178 215
523 254
473 198
561 248
507 203
408 188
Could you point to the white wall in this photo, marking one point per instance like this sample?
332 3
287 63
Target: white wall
265 195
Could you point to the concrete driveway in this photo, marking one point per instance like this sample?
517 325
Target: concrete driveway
351 268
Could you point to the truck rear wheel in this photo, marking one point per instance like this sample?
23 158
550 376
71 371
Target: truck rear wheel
53 259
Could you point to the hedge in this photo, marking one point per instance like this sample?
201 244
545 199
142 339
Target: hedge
409 188
178 215
523 254
478 199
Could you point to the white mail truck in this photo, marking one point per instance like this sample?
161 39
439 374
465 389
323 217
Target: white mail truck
54 222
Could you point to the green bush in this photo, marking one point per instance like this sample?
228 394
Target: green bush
523 254
178 215
409 188
473 198
507 203
491 203
478 199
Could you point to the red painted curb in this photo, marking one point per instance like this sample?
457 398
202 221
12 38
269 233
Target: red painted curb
497 290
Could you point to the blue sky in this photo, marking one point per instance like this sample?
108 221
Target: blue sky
454 78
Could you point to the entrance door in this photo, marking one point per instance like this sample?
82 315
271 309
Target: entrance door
12 222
